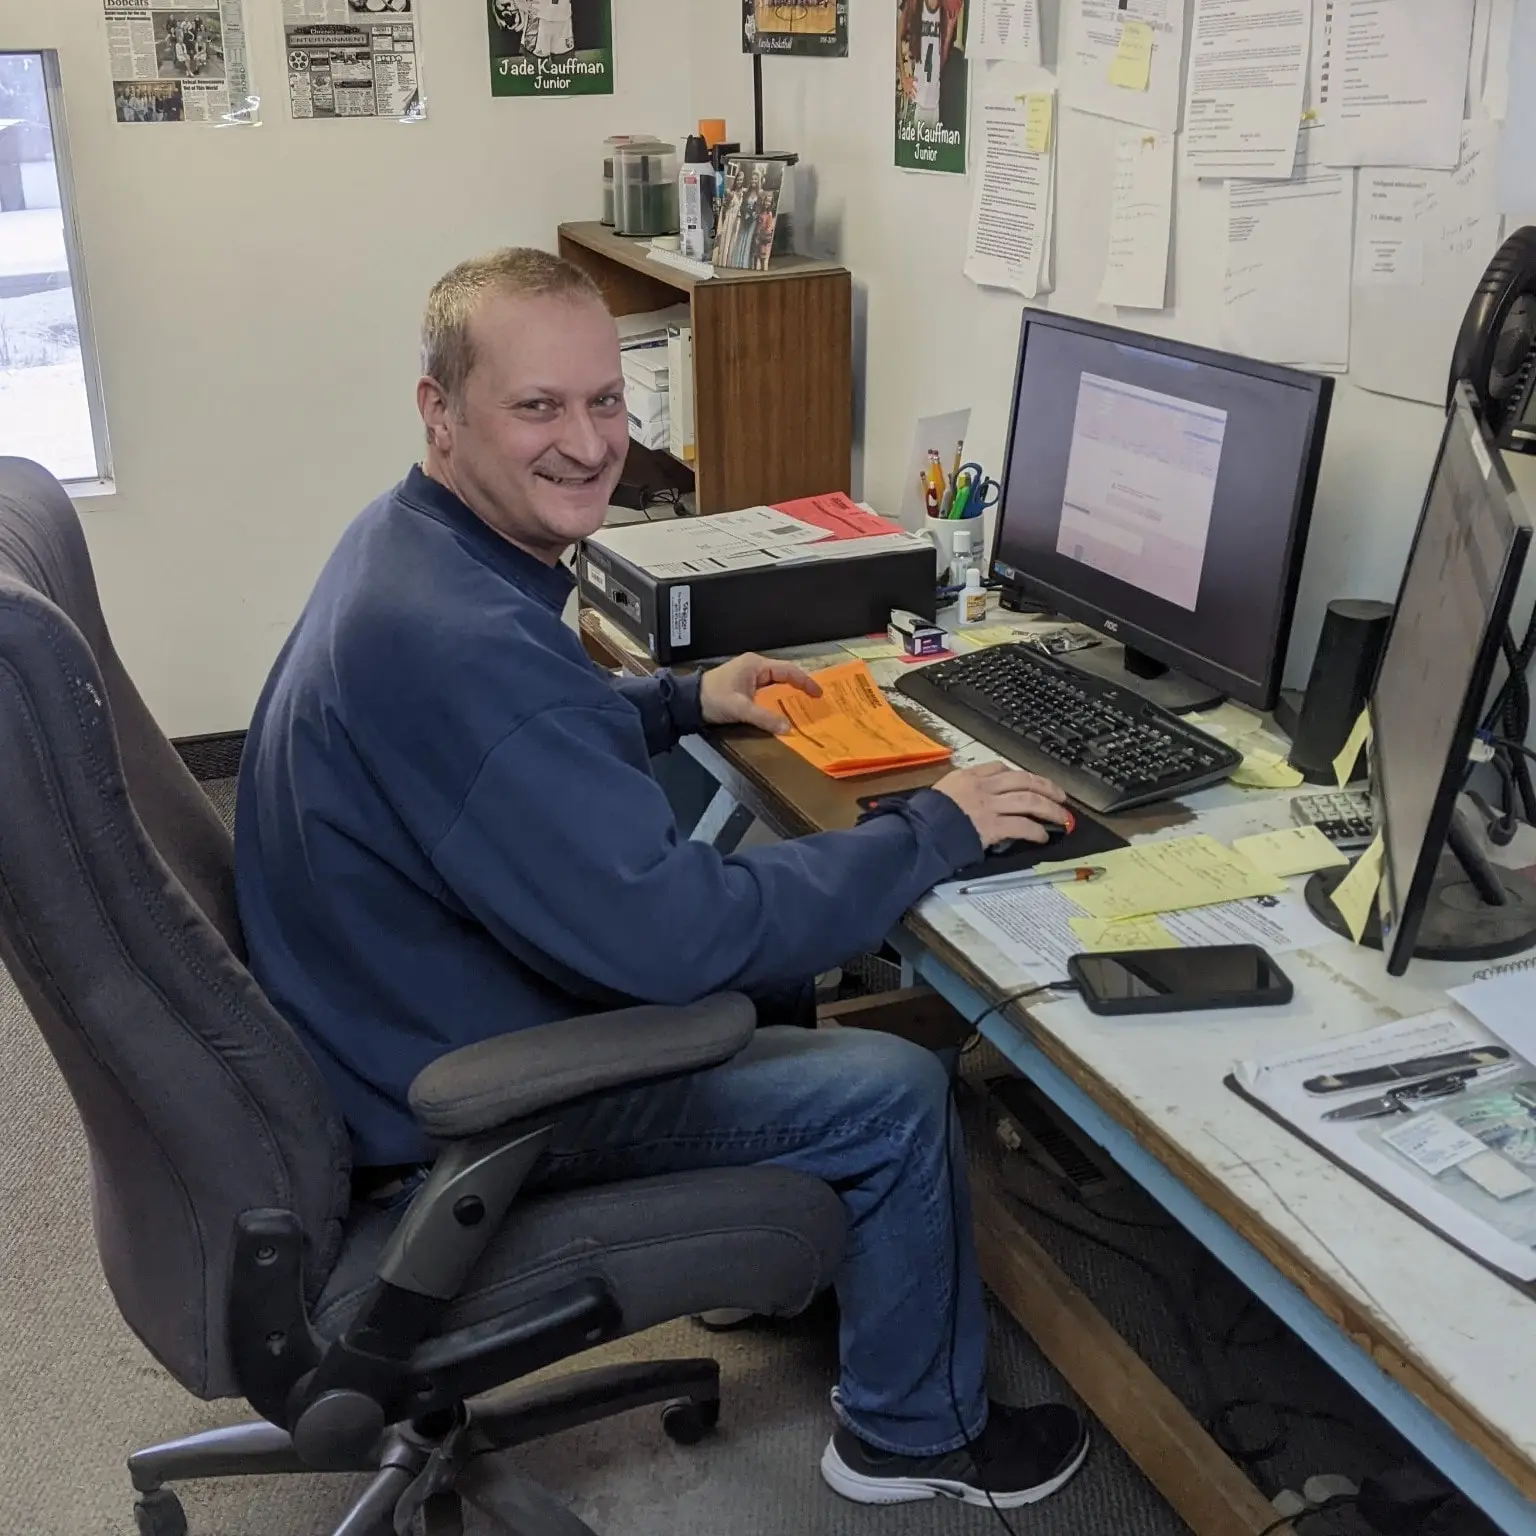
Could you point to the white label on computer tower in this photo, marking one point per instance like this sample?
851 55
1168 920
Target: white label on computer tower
682 615
596 579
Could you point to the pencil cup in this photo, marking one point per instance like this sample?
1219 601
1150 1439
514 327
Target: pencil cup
953 549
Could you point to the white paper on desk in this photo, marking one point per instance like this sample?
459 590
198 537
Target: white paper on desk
695 546
1502 1232
1140 219
1422 241
1011 206
1286 297
850 549
1004 29
1090 37
1031 925
1507 1005
1247 79
1501 26
1402 82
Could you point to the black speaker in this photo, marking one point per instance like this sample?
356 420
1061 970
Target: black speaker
1343 672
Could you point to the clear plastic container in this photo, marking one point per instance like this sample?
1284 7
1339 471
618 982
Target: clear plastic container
610 145
645 189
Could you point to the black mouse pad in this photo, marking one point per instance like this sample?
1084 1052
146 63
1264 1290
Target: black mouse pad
1087 838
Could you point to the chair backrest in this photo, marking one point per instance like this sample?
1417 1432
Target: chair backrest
118 924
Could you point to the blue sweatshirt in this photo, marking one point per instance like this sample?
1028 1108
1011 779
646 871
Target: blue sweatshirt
447 825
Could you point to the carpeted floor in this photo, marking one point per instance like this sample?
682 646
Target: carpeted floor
77 1392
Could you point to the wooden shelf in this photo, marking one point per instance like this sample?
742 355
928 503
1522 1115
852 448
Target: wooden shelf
772 365
633 252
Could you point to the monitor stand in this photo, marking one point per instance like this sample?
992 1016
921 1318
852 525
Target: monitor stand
1130 668
1476 909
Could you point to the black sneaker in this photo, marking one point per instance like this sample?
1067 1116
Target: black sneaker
1024 1454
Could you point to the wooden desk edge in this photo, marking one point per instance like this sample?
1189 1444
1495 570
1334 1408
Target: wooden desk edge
1369 1332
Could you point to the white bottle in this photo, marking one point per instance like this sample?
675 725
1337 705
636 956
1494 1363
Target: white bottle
973 600
696 201
962 552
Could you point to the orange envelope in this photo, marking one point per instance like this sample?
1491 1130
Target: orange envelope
851 729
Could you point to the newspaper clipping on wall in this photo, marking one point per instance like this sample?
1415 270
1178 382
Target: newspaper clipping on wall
179 61
354 58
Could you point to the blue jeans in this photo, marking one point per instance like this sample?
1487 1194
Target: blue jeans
867 1113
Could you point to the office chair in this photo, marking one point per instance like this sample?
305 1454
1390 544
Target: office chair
373 1342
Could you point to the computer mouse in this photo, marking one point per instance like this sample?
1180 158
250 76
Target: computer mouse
1054 834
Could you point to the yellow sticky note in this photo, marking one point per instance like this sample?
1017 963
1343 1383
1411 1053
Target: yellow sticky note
1295 851
1349 754
873 649
988 634
1100 938
1039 110
1230 723
1356 892
1131 67
1262 769
1183 872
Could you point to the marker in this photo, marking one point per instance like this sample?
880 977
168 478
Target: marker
1033 877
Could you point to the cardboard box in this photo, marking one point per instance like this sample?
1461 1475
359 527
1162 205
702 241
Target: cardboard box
916 635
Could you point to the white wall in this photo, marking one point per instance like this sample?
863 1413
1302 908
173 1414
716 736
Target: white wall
934 341
255 296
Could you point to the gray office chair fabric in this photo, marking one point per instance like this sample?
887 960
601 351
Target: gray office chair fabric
200 1105
117 923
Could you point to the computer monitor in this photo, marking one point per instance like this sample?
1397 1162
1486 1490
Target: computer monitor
1440 896
1160 493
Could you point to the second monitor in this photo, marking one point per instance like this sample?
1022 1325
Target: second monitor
1161 493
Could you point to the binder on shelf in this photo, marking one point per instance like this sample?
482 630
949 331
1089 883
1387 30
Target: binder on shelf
680 386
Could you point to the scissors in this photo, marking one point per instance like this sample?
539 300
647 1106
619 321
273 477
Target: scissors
981 492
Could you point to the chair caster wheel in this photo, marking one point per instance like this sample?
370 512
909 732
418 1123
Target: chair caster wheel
160 1514
686 1423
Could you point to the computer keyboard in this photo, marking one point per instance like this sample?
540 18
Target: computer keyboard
1108 747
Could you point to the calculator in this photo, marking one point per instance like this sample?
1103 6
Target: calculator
1342 816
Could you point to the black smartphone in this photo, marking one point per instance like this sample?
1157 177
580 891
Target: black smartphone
1179 980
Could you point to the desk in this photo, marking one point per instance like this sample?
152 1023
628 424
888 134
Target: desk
1441 1347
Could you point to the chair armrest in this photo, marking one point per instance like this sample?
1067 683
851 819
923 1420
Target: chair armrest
509 1077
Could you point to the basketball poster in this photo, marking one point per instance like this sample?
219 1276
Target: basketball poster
550 47
932 85
815 29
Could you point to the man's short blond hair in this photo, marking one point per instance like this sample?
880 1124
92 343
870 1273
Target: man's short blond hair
447 349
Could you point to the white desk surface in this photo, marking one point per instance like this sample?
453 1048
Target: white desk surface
1455 1320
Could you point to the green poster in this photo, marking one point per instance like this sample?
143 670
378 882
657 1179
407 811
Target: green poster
551 47
932 85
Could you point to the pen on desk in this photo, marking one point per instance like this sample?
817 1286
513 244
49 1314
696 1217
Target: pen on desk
1034 877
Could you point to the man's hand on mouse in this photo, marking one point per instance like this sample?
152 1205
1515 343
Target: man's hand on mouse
726 692
1006 803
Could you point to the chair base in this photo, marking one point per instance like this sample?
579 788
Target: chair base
423 1472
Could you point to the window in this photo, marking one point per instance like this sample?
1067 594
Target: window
50 394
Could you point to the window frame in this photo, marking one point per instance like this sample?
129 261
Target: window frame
58 129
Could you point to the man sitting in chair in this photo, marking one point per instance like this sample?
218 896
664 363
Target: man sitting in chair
448 828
